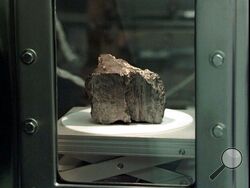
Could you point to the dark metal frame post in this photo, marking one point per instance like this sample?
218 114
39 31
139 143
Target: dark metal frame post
34 27
241 94
221 92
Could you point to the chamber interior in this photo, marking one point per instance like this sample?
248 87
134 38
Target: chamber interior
149 34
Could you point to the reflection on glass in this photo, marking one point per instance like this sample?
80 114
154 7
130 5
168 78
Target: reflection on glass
150 34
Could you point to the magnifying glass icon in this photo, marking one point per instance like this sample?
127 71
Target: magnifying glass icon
231 158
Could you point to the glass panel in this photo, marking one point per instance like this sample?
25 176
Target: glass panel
107 148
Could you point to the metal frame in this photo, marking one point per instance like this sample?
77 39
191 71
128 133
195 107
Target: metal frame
138 167
220 25
241 102
34 27
221 91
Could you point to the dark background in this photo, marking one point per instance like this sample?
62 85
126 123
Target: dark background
157 35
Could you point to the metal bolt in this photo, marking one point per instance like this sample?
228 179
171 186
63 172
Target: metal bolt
218 130
217 58
120 166
182 152
30 126
28 56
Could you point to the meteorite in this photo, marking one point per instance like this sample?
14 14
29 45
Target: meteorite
121 92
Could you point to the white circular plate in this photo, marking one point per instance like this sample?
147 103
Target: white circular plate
81 121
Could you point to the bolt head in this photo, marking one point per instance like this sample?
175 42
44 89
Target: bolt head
217 59
28 56
120 166
182 152
218 130
30 126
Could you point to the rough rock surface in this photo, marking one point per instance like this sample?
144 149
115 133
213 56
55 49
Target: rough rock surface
121 92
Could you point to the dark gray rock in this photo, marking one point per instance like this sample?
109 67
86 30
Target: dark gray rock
121 92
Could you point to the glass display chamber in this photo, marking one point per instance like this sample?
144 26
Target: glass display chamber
155 35
198 49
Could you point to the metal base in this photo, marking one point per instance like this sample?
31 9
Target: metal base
139 157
